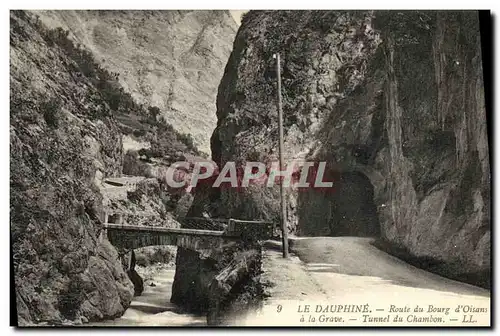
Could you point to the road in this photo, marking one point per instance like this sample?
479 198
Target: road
356 256
350 271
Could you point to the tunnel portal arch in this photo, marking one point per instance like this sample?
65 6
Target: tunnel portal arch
346 210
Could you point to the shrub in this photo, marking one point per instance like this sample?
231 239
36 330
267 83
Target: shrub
146 152
154 112
51 110
57 36
183 205
139 133
72 297
188 140
133 166
135 196
155 254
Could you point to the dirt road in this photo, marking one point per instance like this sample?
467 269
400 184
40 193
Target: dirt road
348 271
355 256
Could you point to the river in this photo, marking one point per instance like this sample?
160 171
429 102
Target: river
153 307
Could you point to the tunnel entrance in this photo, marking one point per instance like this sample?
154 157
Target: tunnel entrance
346 210
352 210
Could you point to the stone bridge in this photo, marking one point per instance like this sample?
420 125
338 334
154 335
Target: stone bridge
200 240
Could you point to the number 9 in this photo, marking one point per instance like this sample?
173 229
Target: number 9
279 308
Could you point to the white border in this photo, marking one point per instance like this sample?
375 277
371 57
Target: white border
190 4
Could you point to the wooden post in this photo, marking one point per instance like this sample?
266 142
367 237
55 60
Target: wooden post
284 227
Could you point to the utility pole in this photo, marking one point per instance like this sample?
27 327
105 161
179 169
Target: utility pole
284 227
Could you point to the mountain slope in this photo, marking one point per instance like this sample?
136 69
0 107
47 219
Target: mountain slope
170 59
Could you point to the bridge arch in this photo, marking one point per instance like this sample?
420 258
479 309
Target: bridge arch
199 240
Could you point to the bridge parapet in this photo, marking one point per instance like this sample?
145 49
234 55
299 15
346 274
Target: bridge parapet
136 236
249 230
133 237
202 223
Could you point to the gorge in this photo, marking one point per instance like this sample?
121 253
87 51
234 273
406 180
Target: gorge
393 101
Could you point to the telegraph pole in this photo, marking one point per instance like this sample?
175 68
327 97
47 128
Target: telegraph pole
284 227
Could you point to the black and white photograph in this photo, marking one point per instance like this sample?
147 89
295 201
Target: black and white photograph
250 168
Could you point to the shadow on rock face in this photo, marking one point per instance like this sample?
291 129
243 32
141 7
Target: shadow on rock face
135 277
348 210
353 212
137 281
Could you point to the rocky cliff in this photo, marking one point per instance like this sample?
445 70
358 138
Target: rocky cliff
61 134
68 116
394 102
173 60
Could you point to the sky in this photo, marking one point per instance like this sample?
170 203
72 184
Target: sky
237 15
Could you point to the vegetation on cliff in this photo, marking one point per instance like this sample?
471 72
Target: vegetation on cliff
166 58
68 116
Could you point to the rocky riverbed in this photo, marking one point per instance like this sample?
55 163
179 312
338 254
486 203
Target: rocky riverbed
153 307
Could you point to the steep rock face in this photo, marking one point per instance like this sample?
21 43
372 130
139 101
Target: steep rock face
224 284
62 138
170 59
395 99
